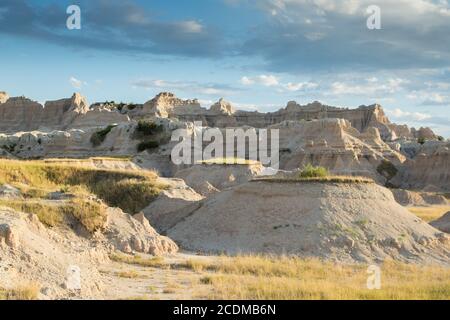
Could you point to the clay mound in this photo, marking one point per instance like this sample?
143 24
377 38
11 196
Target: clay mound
346 222
207 179
411 198
172 205
31 252
443 223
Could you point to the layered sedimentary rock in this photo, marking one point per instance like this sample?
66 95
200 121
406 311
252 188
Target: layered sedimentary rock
336 145
22 114
223 114
429 169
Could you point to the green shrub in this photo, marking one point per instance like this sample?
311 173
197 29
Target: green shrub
146 145
98 137
387 169
148 128
421 140
440 138
309 171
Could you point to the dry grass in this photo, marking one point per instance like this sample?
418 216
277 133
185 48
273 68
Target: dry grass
257 277
131 274
130 190
28 291
326 179
429 213
156 262
92 215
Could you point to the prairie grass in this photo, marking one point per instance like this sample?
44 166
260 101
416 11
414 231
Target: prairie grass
130 190
429 213
274 278
326 179
91 214
156 262
131 274
28 291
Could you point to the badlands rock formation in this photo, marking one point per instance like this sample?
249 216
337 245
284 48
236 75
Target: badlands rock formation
443 223
345 222
411 198
22 114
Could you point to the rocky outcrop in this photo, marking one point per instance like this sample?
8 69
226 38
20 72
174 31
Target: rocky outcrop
223 107
166 105
135 234
443 223
172 205
21 114
412 198
3 97
430 168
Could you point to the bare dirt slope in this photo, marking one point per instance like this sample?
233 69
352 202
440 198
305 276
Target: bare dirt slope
342 221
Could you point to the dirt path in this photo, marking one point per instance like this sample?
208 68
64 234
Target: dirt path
129 281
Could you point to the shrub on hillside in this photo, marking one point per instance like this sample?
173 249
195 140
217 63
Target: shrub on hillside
98 137
146 145
421 140
387 169
310 171
148 128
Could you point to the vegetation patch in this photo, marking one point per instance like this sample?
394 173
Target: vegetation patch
130 190
90 214
98 137
148 128
387 169
429 214
310 171
147 145
28 291
138 260
293 278
327 179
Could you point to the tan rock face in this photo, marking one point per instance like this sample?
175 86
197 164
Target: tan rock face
223 107
430 169
22 114
3 97
411 198
443 223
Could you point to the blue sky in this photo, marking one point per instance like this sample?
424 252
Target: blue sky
257 54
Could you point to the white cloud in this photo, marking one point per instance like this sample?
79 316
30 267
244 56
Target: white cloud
406 115
265 80
247 81
190 87
300 86
191 26
77 84
371 86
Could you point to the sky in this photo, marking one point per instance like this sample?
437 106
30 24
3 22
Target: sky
258 54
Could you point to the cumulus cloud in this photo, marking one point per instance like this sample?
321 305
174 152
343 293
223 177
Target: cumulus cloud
332 34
